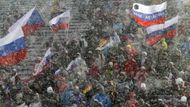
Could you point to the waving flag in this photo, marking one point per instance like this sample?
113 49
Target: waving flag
157 32
29 23
103 42
170 27
12 48
44 62
60 22
112 41
149 15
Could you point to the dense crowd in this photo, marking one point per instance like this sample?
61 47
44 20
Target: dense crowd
80 73
126 77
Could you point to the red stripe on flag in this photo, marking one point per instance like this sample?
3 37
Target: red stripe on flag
13 58
28 29
154 40
147 23
56 28
64 26
171 34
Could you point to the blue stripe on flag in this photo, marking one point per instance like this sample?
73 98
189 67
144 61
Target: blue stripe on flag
161 32
35 18
14 46
148 17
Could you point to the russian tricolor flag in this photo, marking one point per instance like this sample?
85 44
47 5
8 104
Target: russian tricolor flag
29 23
149 15
12 48
60 22
157 32
170 28
43 63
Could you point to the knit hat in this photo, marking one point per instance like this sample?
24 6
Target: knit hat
143 86
50 90
111 64
144 53
179 81
183 99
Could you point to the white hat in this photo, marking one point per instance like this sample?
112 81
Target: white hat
99 49
181 73
74 105
143 68
90 52
50 90
183 99
79 54
98 9
171 63
179 81
92 27
144 53
127 11
14 70
143 86
188 38
111 63
22 105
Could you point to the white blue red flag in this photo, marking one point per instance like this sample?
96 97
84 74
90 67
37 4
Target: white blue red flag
60 22
157 32
149 15
29 23
43 63
12 48
170 28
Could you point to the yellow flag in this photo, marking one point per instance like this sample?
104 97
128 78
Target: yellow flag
87 88
103 42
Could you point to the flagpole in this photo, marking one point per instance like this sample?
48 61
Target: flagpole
67 33
177 34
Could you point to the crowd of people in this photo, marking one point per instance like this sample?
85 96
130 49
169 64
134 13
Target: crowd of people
80 73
